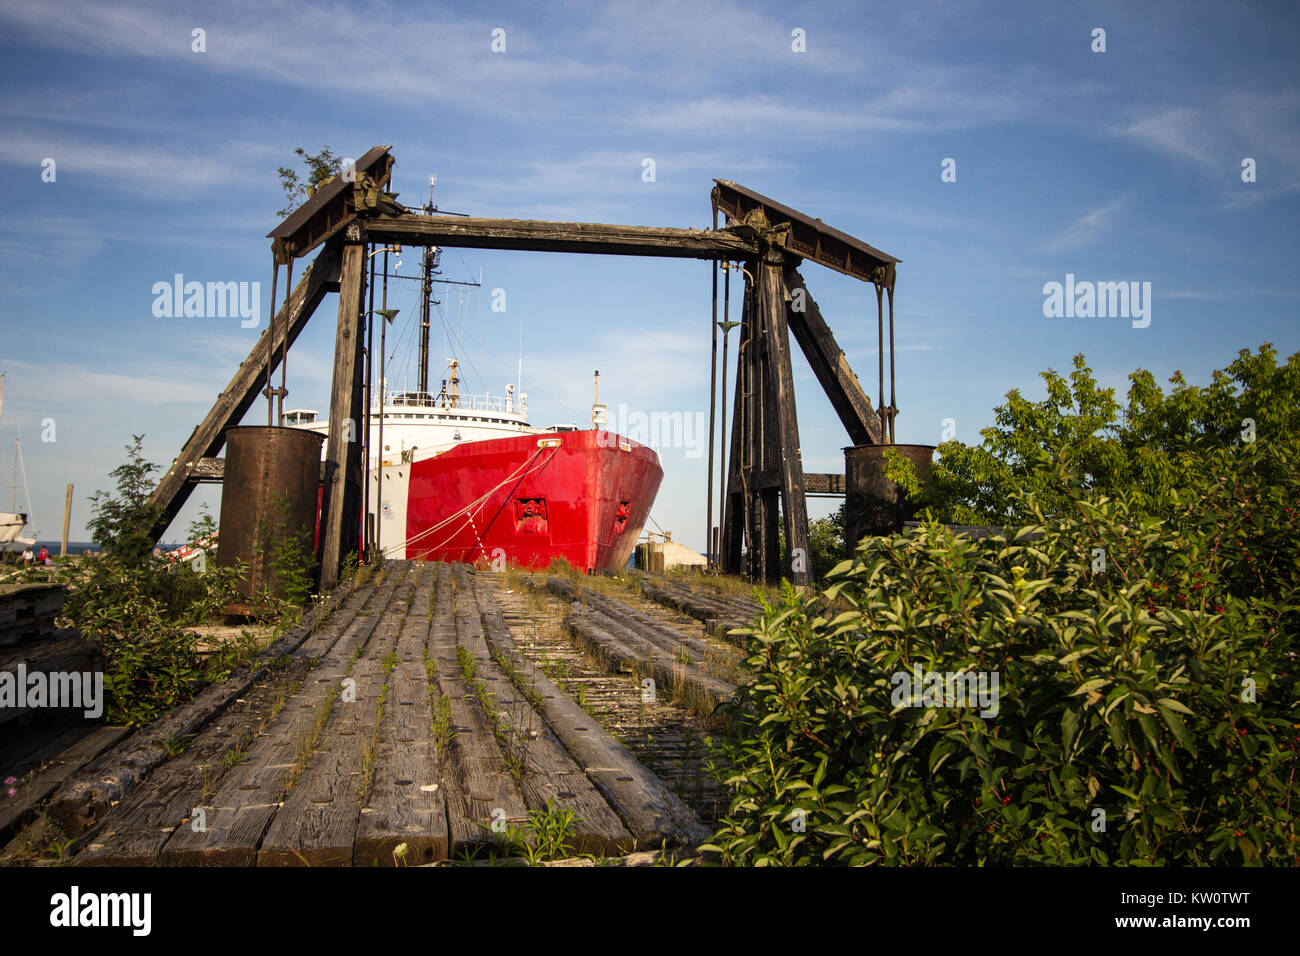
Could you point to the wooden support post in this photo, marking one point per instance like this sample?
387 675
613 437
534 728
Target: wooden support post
340 508
733 512
232 404
768 499
784 454
67 520
752 414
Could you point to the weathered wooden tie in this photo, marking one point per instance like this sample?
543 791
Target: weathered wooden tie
650 810
89 794
248 798
317 823
480 793
406 801
548 776
719 613
408 717
604 629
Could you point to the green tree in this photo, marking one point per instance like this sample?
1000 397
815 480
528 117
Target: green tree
121 524
1147 689
321 168
826 542
1137 450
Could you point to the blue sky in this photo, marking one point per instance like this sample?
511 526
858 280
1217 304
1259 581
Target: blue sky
1115 166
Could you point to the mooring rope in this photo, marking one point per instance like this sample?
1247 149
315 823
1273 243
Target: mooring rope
470 509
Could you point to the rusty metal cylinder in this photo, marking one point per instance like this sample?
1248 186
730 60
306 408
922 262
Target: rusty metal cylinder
874 504
268 502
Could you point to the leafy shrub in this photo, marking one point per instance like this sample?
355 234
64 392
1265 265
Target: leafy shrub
1147 709
825 542
289 562
1138 450
138 603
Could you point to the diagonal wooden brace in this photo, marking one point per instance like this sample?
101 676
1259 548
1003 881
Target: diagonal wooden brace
829 364
207 439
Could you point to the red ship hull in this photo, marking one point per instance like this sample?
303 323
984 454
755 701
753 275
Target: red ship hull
582 496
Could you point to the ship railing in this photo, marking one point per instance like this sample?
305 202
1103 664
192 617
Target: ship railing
467 402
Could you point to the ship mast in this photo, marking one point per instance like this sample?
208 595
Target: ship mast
429 263
429 267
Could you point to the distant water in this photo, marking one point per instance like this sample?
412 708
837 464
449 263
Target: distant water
74 547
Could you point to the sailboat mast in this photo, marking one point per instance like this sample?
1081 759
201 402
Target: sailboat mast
13 491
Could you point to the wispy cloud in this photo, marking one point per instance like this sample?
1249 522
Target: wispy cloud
1084 230
69 241
139 168
136 386
1217 135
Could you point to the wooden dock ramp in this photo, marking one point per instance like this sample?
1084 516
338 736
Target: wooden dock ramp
407 716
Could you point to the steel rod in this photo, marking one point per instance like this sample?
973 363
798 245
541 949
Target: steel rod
270 343
893 405
383 357
368 532
713 404
284 346
726 328
880 356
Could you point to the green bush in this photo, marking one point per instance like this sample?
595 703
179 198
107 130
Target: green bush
1146 676
138 603
1139 450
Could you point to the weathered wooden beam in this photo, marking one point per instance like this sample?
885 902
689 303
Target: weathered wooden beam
341 503
210 471
733 510
829 364
759 502
804 236
208 438
331 207
539 236
815 483
784 454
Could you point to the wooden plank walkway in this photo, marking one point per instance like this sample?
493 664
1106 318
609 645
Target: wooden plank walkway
627 638
718 612
408 716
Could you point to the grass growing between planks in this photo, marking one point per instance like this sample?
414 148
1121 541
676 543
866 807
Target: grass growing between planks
547 836
307 746
508 729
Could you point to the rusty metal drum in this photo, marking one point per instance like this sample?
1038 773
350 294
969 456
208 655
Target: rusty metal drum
873 503
268 500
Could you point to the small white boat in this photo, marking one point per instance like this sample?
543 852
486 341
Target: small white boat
13 522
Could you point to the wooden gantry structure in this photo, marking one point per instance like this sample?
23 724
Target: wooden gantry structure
764 481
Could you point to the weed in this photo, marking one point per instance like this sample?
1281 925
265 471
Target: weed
468 665
235 755
443 730
307 746
175 746
548 835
